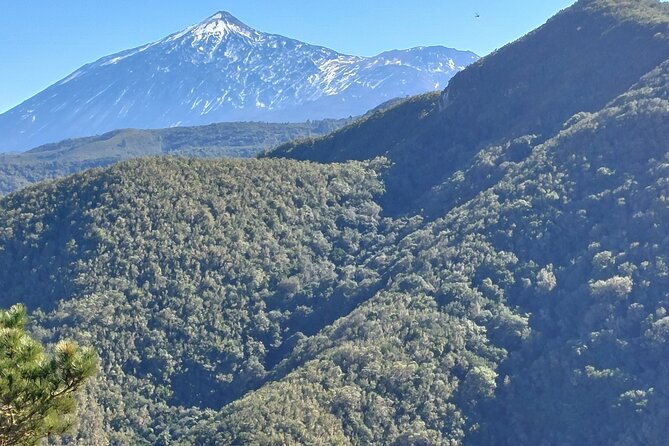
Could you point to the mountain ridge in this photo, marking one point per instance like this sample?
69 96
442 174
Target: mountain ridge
491 101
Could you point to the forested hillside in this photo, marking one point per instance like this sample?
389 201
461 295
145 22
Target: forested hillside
535 313
229 139
577 62
287 302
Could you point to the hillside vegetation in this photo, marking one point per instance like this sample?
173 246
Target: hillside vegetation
190 277
291 302
532 314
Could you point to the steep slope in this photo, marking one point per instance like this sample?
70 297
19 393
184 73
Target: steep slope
578 61
533 314
594 371
240 139
222 70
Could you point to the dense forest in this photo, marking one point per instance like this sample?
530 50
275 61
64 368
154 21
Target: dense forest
228 139
483 267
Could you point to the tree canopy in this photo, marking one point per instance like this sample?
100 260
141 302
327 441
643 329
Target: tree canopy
37 389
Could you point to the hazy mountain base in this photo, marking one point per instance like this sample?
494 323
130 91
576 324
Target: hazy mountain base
235 139
221 70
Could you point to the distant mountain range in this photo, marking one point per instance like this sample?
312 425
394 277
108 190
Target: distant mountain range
227 139
222 70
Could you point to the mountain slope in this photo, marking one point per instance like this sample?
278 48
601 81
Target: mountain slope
579 60
222 70
269 302
571 237
243 139
598 190
527 315
208 270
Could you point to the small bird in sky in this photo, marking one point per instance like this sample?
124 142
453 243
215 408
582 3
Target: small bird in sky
476 15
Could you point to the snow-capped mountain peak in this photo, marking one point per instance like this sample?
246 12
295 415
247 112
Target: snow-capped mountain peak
209 34
222 70
219 26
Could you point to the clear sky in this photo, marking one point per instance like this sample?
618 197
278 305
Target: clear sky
42 41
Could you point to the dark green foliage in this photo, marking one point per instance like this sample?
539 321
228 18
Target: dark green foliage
190 276
398 367
36 390
234 139
267 302
593 372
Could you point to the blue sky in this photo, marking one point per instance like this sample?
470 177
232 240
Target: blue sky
42 41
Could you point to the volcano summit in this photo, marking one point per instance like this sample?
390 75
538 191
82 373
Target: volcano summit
222 70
